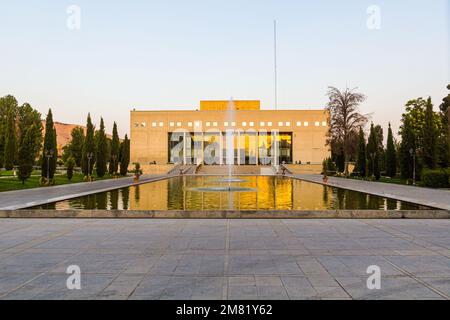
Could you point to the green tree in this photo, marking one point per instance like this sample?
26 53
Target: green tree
10 141
414 115
443 143
88 153
30 118
373 167
25 155
391 157
101 150
115 145
7 104
125 156
345 120
50 152
380 147
70 165
361 158
429 137
75 147
407 149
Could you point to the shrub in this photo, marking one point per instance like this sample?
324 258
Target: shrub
70 164
137 169
436 178
328 166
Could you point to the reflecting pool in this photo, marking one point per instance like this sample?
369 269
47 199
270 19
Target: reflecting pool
250 193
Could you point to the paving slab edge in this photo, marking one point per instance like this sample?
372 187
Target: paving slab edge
223 214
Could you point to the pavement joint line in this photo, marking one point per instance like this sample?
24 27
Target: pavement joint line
401 234
412 276
226 261
407 273
56 265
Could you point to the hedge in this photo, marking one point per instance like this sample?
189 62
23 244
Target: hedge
438 178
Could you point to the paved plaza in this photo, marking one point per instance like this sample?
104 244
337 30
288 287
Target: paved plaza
224 259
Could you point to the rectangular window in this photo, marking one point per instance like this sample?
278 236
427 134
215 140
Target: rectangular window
306 123
280 124
154 124
317 123
299 124
172 124
288 124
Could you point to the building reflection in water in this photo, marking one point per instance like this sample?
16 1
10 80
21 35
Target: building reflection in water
266 193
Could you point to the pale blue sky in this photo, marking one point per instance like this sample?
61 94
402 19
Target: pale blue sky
171 54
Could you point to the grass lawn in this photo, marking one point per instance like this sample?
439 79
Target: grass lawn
8 173
10 184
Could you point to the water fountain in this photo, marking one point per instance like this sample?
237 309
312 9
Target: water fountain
229 159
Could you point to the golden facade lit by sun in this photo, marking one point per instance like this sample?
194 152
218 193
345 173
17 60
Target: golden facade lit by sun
259 137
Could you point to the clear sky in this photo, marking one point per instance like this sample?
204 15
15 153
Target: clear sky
171 54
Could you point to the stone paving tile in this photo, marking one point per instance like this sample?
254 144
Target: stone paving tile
391 288
151 287
298 287
200 259
441 284
122 286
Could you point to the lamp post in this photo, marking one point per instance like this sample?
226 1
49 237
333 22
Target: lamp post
48 155
89 155
412 152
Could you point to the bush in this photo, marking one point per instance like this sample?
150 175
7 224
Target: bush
439 178
70 164
137 170
328 166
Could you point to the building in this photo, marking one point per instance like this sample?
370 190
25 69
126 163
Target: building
255 136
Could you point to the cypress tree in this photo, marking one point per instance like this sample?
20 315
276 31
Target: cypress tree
391 158
88 149
7 104
10 141
429 137
115 145
101 150
50 153
125 156
361 156
75 148
408 144
26 154
373 154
